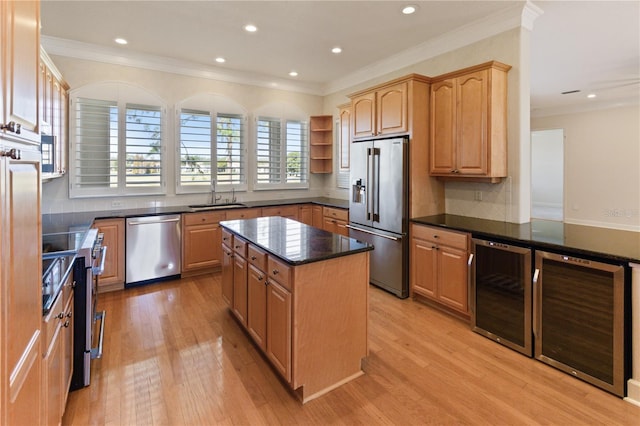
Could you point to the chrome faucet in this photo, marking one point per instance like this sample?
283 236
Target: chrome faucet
233 195
214 198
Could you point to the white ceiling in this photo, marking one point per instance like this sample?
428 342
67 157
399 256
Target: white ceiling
588 46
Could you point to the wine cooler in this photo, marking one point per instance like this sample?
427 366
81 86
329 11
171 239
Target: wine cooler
579 320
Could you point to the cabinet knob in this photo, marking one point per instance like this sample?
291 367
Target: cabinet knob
253 258
12 126
66 324
275 272
69 314
60 315
13 153
260 277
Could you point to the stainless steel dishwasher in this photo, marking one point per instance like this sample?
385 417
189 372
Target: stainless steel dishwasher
152 248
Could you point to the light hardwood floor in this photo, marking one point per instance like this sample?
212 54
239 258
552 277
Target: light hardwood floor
173 355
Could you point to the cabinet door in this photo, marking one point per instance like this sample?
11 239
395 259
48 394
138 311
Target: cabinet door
113 230
53 382
423 268
318 216
227 275
442 127
364 116
257 306
21 67
21 281
240 288
453 278
471 94
391 110
290 212
305 214
202 247
279 328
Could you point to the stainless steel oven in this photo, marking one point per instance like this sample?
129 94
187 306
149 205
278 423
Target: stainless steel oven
580 319
89 323
501 293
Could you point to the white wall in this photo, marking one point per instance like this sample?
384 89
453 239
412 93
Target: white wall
173 89
547 174
602 166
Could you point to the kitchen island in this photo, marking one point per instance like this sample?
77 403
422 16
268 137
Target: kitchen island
301 293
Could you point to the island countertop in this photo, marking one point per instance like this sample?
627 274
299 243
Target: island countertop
292 241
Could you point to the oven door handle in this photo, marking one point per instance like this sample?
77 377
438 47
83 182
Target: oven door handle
98 270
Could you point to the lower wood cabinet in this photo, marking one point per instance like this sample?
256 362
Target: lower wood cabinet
201 242
227 272
305 214
439 270
57 329
279 328
317 216
113 276
336 220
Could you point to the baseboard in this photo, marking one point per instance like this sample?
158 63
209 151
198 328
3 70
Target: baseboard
633 392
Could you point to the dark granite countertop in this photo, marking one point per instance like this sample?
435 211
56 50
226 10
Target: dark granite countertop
292 241
65 222
612 244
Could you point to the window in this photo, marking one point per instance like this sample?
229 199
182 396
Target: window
101 130
197 169
281 156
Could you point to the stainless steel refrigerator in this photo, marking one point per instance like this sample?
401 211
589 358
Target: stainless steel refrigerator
378 209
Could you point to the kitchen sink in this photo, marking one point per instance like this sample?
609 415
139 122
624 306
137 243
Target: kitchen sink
201 207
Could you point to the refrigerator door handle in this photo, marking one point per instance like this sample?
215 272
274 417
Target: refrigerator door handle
376 174
370 183
372 233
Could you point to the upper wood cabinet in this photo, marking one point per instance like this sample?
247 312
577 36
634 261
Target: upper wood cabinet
468 123
380 111
19 70
53 113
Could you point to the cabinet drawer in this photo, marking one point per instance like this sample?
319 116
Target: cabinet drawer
279 271
243 214
67 289
227 238
257 257
203 218
284 211
51 322
440 236
340 214
240 246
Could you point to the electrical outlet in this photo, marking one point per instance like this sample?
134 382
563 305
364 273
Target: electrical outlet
116 204
478 196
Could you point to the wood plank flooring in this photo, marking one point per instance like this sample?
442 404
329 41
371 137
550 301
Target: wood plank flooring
173 355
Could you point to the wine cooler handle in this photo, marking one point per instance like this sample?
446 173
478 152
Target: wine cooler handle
536 302
471 286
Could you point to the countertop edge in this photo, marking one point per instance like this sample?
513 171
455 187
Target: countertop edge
444 221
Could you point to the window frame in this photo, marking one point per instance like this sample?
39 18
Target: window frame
122 104
213 114
282 183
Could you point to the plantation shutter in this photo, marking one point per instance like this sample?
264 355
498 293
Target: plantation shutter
268 151
143 146
230 167
296 153
195 148
95 152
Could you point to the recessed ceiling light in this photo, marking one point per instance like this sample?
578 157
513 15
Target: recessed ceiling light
591 95
293 73
409 9
250 28
121 41
220 60
336 49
